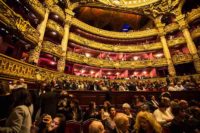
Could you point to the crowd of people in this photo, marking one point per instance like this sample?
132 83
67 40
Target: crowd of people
176 84
46 111
129 85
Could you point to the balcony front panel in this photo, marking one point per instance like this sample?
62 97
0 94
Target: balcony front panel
10 67
171 27
193 15
115 48
111 34
53 26
14 21
36 6
182 58
176 41
195 33
52 48
58 11
77 58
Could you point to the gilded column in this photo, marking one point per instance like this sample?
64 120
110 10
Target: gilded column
64 42
190 43
166 51
35 53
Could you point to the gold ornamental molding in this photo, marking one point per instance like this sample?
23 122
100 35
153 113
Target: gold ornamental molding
171 27
14 21
195 33
10 67
58 11
151 8
182 58
13 68
78 58
127 3
36 6
52 25
176 41
112 34
193 15
52 48
115 48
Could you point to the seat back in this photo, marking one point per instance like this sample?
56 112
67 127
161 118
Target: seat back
73 127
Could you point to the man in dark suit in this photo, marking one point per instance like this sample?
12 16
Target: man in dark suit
48 101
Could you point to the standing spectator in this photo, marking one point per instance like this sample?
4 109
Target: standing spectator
21 84
48 102
74 112
19 121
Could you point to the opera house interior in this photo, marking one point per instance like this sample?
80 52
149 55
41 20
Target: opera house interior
114 54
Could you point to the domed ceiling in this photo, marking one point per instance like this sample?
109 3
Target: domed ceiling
112 20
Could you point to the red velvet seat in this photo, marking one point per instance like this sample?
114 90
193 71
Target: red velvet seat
73 127
86 124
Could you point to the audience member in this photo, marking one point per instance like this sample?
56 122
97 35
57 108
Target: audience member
96 127
19 120
122 123
49 125
146 123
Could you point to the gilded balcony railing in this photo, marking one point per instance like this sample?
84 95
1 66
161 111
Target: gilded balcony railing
55 27
11 67
36 6
112 34
52 48
193 15
182 58
15 22
171 27
176 41
58 11
116 48
78 58
195 33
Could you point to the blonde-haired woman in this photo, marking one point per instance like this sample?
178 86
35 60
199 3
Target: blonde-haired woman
96 127
146 123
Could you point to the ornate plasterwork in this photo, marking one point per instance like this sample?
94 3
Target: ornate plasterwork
112 34
171 27
11 67
115 48
36 6
195 33
152 8
57 10
194 14
55 27
176 41
127 3
14 21
182 58
52 48
16 68
74 57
